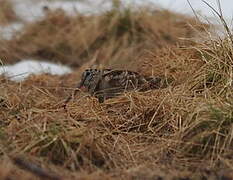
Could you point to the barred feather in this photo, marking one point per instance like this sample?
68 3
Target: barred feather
108 83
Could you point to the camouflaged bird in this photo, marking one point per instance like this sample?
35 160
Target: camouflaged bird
108 83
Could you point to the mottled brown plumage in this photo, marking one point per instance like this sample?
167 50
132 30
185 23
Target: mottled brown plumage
108 83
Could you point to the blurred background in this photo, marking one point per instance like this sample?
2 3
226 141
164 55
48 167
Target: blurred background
74 32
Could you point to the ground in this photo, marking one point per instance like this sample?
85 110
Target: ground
183 131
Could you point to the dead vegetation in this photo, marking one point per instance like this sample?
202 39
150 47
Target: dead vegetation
7 14
166 133
119 35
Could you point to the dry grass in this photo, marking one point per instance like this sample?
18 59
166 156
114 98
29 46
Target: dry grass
168 133
7 14
115 38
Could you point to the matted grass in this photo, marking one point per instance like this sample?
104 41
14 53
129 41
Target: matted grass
169 133
174 127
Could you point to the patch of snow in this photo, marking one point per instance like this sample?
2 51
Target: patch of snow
8 31
31 10
21 70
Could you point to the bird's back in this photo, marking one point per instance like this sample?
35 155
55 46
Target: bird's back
108 83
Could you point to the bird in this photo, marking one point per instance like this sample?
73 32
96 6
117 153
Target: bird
108 83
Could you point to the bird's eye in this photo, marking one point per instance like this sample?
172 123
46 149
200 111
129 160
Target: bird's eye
86 73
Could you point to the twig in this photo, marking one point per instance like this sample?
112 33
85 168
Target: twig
220 15
34 169
70 97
